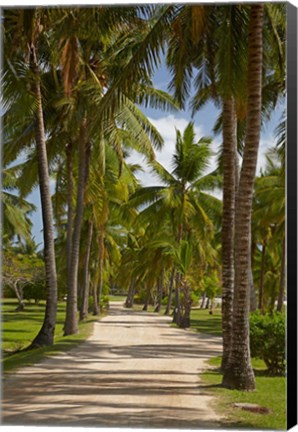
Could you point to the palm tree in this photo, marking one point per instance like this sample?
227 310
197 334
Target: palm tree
239 373
269 212
24 31
16 210
197 42
213 40
182 200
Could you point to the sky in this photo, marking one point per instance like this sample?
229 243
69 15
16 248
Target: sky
166 122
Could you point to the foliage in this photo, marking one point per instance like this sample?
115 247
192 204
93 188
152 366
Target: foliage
104 302
267 340
24 274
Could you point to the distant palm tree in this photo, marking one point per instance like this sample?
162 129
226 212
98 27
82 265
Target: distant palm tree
16 210
183 200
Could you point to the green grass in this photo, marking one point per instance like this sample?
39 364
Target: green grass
270 392
117 298
20 328
203 322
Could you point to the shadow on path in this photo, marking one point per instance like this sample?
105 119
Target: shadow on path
135 371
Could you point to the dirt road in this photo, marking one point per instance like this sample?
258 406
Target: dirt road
134 371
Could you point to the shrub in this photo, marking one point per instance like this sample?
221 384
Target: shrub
164 301
35 292
267 340
104 302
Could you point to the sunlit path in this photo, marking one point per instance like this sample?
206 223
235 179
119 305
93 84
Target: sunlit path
135 371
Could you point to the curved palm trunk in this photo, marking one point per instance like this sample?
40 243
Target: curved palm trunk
130 294
228 224
46 333
71 320
86 277
169 304
239 373
280 301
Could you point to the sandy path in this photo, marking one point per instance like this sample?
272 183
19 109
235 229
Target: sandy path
134 371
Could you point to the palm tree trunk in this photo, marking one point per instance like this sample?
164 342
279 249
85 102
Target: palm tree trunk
69 207
261 287
253 297
147 301
239 373
130 295
71 320
177 310
101 251
86 276
228 224
280 301
169 304
159 291
185 319
46 333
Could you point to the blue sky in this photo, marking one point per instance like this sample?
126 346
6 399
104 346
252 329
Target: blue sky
166 122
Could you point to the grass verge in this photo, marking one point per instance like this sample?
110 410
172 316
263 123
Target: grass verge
202 321
270 392
20 328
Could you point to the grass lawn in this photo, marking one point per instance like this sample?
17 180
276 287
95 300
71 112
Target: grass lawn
270 393
20 328
117 298
203 322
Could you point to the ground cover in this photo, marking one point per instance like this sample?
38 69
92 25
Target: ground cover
20 328
204 322
117 298
270 393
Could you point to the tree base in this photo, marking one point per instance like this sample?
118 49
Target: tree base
236 379
184 322
45 337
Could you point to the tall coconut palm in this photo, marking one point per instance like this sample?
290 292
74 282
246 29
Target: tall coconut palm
214 41
239 373
198 42
24 30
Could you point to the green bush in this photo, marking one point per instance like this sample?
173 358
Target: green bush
164 301
35 292
267 340
104 302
